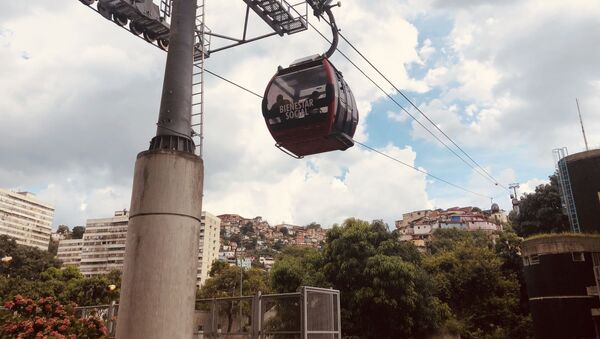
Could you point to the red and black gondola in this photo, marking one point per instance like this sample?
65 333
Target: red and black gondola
309 108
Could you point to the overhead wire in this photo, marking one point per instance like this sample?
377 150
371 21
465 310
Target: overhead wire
389 96
477 168
420 170
367 146
233 83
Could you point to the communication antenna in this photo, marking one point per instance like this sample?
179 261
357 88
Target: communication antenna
581 122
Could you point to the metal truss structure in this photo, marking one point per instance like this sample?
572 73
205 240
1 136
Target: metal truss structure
281 16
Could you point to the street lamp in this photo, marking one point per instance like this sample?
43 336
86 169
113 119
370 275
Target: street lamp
111 309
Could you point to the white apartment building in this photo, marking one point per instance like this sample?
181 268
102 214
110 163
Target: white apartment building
69 252
25 218
103 248
210 239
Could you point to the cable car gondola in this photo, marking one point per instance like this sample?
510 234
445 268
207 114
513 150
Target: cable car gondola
309 108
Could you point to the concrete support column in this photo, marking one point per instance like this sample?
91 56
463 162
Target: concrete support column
161 257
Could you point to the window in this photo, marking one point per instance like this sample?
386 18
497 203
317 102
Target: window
534 259
577 256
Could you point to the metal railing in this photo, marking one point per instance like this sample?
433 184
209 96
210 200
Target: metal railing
108 313
312 313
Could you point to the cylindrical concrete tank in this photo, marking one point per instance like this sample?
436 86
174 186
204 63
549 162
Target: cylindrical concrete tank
562 285
584 176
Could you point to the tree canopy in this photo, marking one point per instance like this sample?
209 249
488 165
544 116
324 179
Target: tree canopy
541 211
77 232
34 273
479 281
27 262
379 280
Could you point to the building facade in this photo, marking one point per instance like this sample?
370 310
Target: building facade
103 248
210 241
562 274
69 252
26 218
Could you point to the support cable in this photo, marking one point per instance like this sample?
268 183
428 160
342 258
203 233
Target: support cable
416 107
389 96
233 83
420 170
368 147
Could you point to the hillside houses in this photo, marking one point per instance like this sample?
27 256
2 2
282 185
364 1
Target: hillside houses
418 226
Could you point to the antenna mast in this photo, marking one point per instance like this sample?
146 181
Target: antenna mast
581 122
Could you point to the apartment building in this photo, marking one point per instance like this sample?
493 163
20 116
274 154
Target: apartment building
69 252
208 245
26 218
103 248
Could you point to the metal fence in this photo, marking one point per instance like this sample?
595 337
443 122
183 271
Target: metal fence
107 312
312 313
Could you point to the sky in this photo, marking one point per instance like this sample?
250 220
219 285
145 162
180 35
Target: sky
79 98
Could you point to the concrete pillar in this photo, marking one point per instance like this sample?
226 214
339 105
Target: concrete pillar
161 256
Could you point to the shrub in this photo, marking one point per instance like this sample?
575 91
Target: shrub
47 318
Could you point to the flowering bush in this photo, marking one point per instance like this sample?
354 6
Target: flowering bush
47 319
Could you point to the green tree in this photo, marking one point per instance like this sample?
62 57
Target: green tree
247 229
377 277
63 230
313 225
295 267
95 290
479 283
66 285
226 283
77 232
216 267
541 211
284 230
53 247
27 262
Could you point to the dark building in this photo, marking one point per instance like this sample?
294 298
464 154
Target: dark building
579 179
562 274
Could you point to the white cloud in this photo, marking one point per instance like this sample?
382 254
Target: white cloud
426 50
397 116
85 100
530 185
316 189
521 72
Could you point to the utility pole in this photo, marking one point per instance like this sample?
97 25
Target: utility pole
158 289
514 187
581 122
514 197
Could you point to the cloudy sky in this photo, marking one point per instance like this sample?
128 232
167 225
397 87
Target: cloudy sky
79 99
